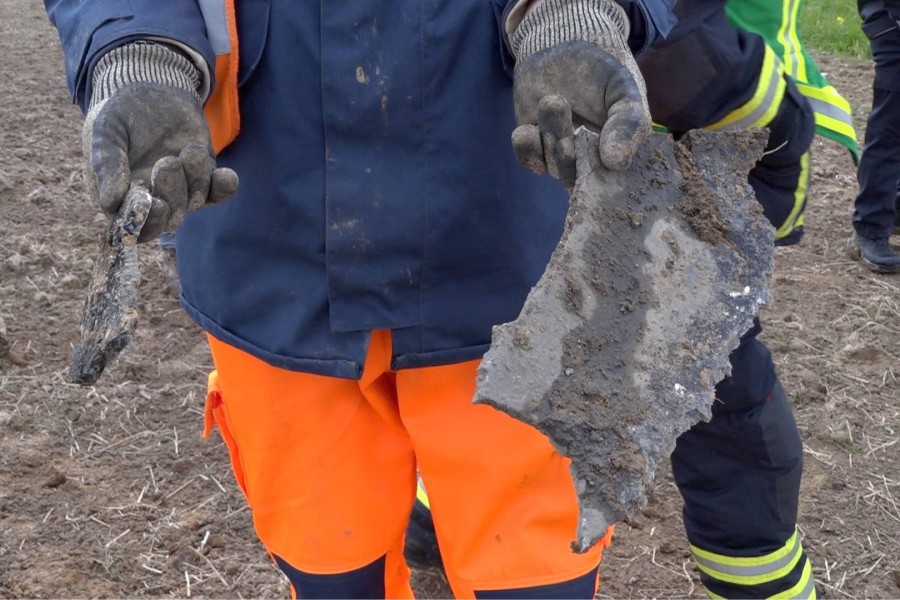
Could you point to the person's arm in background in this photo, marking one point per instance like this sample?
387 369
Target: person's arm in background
141 70
893 9
575 66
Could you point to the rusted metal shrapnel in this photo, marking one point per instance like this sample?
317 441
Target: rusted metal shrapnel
110 312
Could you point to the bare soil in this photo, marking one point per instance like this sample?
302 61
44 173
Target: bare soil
109 491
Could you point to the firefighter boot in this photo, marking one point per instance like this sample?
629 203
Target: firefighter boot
875 254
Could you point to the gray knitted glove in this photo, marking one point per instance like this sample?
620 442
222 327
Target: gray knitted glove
574 68
145 123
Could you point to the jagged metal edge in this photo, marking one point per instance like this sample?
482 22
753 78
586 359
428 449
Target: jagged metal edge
657 442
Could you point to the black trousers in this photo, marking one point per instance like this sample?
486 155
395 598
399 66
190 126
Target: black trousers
739 474
876 208
703 71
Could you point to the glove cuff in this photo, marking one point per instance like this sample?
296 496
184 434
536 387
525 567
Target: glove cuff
143 62
552 22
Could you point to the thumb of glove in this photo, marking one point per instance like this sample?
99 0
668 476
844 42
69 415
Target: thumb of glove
107 169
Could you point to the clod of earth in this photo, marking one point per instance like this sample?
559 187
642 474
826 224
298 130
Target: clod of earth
6 350
618 348
110 308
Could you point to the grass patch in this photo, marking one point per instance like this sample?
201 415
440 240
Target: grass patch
833 26
850 447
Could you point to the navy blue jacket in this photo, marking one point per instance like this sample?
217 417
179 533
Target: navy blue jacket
378 186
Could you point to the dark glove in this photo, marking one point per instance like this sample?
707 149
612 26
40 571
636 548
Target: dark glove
145 123
574 68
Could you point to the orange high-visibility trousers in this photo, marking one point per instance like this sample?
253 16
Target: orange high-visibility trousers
328 467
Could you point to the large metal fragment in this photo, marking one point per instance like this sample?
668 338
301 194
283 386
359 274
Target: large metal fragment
110 308
618 348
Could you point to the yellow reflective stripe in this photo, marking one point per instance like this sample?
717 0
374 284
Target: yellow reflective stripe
760 109
215 15
772 109
826 94
795 62
831 110
838 126
748 580
748 561
805 588
795 38
421 495
752 570
796 217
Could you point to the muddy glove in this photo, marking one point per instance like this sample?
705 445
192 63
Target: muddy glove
145 123
574 68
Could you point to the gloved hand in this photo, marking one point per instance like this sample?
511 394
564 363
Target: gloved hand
574 68
145 123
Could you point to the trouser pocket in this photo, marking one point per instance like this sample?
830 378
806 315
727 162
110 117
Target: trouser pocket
879 26
216 415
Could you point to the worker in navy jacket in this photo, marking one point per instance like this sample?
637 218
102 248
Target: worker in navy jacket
381 227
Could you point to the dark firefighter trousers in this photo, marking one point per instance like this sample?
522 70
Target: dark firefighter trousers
739 474
876 211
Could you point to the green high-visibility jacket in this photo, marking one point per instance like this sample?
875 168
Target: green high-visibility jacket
776 23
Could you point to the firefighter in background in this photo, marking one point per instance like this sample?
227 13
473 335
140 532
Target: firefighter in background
735 67
877 209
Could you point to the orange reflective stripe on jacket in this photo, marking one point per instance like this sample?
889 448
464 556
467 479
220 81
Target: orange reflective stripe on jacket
221 109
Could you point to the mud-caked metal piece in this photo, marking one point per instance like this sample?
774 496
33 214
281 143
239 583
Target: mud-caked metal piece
617 351
110 312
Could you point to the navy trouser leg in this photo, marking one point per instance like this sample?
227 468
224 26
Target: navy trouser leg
879 166
897 209
367 582
739 475
580 587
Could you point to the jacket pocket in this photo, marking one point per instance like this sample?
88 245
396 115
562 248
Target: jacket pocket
783 453
253 30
